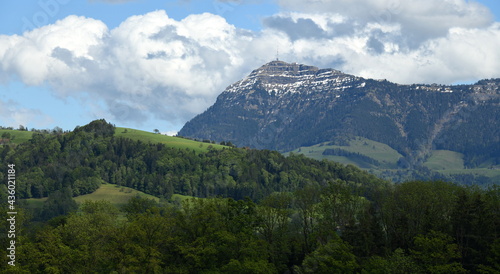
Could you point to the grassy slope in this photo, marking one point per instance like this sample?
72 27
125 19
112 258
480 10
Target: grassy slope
451 162
387 156
116 195
19 136
168 140
443 161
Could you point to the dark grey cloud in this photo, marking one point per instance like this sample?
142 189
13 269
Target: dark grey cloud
344 28
124 112
64 55
156 55
300 29
375 45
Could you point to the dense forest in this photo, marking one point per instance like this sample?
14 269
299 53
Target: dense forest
256 211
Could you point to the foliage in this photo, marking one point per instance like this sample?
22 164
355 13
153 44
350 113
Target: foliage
301 231
59 203
437 252
333 257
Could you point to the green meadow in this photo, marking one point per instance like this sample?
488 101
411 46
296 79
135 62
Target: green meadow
17 136
115 194
176 142
445 159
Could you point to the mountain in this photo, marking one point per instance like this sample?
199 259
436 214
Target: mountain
284 106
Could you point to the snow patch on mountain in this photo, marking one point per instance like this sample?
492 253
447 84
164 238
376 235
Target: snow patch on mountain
278 77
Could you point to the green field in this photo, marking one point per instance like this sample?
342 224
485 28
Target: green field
18 136
445 159
451 163
175 142
387 156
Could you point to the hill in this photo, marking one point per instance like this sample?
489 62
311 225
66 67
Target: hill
93 155
115 194
10 136
284 107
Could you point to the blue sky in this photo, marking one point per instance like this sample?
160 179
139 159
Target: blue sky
156 64
17 13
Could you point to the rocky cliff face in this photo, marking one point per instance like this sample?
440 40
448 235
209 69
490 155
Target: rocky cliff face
283 106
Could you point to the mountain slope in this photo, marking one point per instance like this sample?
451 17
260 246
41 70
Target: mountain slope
285 106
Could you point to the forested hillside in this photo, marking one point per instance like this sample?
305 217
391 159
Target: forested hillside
91 154
256 212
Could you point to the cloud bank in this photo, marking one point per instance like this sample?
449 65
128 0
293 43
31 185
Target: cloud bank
152 66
